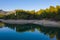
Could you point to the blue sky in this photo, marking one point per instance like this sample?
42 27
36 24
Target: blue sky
27 4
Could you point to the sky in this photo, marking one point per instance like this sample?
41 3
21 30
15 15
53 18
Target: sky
27 4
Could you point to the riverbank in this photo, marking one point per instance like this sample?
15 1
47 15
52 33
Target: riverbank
39 22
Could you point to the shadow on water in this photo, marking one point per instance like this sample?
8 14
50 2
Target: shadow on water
51 31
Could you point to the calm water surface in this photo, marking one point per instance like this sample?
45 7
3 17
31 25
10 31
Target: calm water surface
28 32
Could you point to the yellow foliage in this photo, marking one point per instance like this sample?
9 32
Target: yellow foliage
40 12
32 12
1 15
47 10
52 9
57 7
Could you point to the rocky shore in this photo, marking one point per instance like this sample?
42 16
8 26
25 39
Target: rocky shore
39 22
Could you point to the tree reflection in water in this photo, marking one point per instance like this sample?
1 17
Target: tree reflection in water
51 31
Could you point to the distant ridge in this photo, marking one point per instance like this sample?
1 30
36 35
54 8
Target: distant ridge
3 12
6 12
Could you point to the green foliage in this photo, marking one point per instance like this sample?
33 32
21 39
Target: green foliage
52 13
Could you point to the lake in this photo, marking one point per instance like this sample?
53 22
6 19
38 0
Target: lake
28 32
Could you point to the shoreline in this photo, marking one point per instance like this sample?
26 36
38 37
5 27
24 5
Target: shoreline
39 22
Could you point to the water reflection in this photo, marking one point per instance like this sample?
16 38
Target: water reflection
50 31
